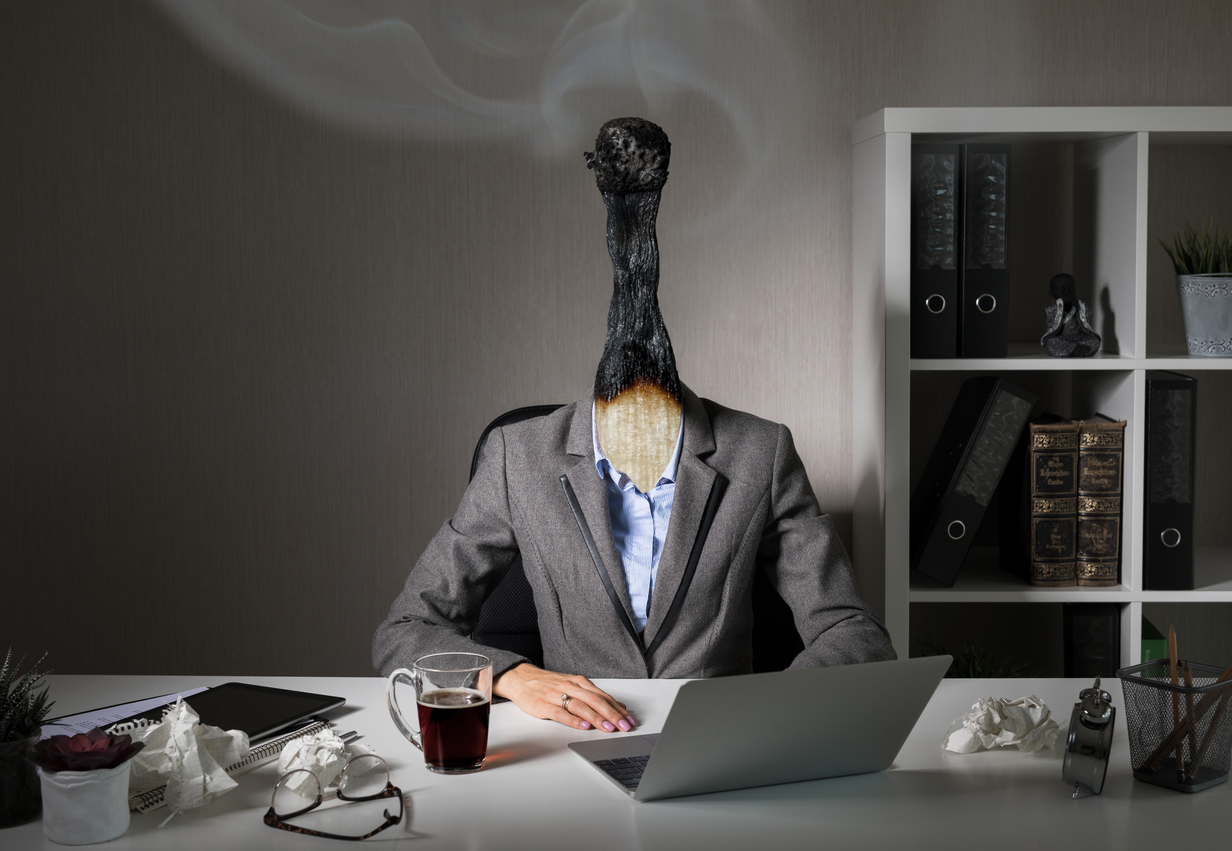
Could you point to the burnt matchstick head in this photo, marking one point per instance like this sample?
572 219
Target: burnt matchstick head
631 155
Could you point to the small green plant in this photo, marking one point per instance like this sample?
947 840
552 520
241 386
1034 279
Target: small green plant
974 662
1202 252
23 709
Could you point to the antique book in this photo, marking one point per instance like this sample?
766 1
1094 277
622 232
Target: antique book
1101 448
963 472
1052 510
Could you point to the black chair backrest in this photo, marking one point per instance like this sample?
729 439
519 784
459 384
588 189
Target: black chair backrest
508 620
517 415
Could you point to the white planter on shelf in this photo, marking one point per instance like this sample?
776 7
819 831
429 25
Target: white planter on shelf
1206 309
85 807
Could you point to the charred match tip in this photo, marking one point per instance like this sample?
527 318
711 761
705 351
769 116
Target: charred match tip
630 164
631 155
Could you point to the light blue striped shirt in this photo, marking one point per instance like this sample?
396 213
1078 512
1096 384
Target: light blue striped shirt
639 521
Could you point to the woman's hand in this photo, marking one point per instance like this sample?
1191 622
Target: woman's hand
540 694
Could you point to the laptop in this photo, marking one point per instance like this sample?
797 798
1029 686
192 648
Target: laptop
762 729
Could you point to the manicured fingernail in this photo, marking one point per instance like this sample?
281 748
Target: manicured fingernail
585 725
629 718
624 725
607 725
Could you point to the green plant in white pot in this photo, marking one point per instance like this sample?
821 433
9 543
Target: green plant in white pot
1203 264
22 711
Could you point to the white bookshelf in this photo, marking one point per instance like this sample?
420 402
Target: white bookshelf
1109 149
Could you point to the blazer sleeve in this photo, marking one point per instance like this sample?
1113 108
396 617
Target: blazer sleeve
439 604
807 564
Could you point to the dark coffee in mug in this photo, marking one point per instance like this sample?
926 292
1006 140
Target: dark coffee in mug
453 723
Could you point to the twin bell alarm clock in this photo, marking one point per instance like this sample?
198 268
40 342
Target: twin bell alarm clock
1090 741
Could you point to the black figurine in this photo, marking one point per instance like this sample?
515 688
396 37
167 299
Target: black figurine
1069 333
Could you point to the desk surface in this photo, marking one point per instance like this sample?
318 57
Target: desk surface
535 794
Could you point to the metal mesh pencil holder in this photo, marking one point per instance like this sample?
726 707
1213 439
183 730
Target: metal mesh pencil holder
1180 736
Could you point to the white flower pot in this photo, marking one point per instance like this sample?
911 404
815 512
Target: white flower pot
1206 310
85 807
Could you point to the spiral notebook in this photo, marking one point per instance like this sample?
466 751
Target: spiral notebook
270 716
259 755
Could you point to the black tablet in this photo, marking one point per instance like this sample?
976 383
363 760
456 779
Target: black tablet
260 711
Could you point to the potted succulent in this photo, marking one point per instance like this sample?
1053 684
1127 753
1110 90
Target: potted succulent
85 786
21 716
1203 264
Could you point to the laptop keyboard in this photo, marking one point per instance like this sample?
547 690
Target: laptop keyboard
626 769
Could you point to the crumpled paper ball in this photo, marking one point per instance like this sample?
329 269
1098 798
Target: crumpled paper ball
996 722
324 754
186 755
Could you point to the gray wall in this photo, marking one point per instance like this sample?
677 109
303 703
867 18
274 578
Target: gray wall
253 324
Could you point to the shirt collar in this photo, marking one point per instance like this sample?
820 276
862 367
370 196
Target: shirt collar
606 470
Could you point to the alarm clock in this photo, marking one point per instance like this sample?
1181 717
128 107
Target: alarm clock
1090 741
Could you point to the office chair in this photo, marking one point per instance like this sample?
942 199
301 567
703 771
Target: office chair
508 620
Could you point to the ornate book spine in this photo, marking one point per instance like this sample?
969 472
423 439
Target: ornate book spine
1101 449
1052 476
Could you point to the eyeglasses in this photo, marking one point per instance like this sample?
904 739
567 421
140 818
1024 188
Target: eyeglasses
359 782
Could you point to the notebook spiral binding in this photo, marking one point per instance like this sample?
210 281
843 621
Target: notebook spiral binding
129 726
144 802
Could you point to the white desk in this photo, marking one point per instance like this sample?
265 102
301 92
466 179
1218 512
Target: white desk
535 794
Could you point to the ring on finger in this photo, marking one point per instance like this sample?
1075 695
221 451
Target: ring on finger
564 700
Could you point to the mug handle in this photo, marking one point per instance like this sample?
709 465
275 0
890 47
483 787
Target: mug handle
402 675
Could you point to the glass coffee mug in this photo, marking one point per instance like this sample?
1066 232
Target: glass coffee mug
453 696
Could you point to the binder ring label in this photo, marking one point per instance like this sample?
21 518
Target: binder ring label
1170 537
935 303
986 303
956 530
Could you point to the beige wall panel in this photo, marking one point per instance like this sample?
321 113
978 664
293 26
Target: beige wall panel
248 341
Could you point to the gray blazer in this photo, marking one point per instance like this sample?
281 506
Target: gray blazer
743 503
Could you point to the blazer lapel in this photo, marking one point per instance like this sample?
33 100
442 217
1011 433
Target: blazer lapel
695 481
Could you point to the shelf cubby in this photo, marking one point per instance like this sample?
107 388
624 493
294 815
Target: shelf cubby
1087 197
